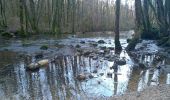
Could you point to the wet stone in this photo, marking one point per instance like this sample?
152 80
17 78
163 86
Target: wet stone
81 77
95 71
111 48
101 74
142 66
91 76
103 48
101 42
78 46
121 62
82 42
39 56
87 53
94 44
109 75
44 47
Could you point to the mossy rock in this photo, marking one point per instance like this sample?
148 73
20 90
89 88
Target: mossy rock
44 47
101 41
128 40
151 34
162 41
167 44
7 34
78 46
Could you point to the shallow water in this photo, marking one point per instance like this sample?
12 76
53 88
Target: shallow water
58 79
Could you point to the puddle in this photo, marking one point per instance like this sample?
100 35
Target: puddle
58 79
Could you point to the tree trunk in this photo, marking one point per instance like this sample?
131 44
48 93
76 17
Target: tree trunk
139 25
22 17
117 18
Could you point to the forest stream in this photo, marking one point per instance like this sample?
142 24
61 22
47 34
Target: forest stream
91 55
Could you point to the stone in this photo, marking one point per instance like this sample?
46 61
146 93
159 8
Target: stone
91 76
101 41
43 62
39 55
109 75
44 47
121 62
82 42
35 66
95 71
78 46
81 77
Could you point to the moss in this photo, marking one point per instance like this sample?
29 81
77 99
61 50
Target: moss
167 44
132 44
162 41
128 40
44 47
7 34
151 34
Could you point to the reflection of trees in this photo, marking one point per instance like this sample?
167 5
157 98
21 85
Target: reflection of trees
115 79
116 71
58 80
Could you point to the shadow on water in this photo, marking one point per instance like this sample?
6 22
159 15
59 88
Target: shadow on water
58 79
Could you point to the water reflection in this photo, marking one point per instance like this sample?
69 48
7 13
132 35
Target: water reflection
57 81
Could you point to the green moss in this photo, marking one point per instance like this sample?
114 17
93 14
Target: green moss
151 34
128 40
44 47
7 34
162 41
167 43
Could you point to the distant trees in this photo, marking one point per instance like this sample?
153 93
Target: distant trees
152 21
62 16
2 14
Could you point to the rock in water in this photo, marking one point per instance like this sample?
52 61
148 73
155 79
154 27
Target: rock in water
43 62
32 66
81 77
121 62
35 66
101 41
142 66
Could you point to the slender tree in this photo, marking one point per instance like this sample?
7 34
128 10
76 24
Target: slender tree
117 18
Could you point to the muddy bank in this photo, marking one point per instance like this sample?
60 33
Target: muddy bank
161 92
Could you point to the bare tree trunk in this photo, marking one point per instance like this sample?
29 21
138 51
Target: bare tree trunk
22 17
139 25
117 18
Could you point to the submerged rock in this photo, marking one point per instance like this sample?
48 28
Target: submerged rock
121 62
43 62
94 44
109 75
35 66
91 76
87 53
39 55
78 46
142 66
44 47
81 77
82 42
101 41
111 48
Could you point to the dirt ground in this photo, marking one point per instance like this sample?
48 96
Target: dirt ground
161 92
